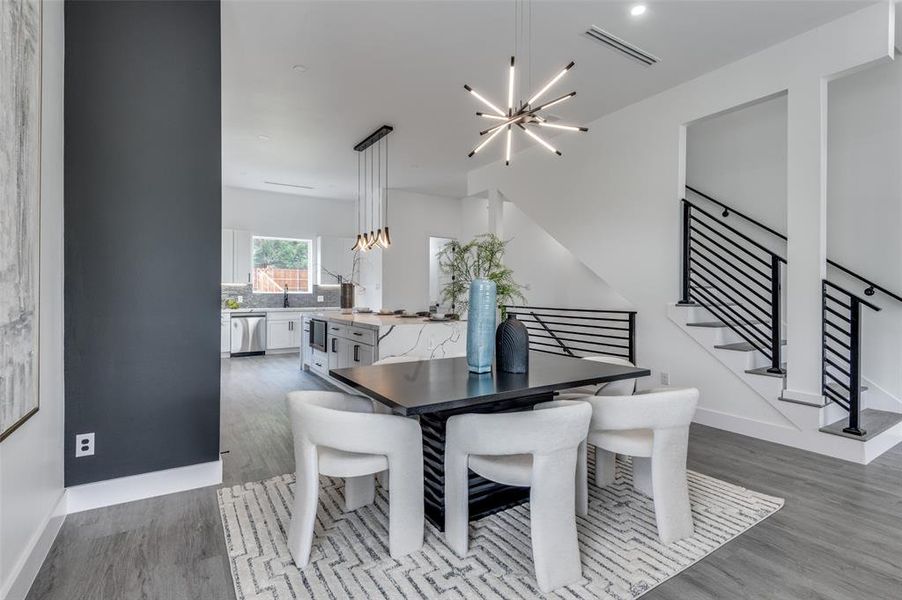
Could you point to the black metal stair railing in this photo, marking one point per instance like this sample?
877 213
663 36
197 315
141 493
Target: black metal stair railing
735 278
736 287
579 332
841 379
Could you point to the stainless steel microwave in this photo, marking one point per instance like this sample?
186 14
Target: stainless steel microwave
318 334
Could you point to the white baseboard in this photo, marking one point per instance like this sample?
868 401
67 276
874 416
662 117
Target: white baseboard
25 571
147 485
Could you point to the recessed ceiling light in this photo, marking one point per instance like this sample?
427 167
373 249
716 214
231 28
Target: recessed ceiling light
263 138
299 68
638 10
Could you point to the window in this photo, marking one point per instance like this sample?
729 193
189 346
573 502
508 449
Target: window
281 264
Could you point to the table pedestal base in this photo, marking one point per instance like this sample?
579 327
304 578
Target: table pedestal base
486 497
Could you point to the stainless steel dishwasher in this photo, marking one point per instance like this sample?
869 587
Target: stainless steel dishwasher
248 334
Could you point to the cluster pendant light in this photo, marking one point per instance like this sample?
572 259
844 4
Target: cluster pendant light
525 116
372 191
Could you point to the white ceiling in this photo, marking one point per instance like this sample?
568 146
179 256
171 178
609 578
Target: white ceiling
405 63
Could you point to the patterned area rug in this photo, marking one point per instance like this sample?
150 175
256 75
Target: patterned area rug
621 554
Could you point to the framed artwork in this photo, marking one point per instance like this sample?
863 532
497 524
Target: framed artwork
20 205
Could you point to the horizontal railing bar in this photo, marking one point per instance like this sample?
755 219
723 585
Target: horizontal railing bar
577 357
714 261
837 314
736 231
726 298
593 310
730 252
700 248
835 366
609 337
839 382
851 295
838 341
755 339
535 314
564 339
839 328
726 238
836 398
835 352
569 347
737 213
608 327
759 295
836 301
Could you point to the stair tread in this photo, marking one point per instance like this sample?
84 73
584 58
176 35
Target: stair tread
874 422
740 346
764 371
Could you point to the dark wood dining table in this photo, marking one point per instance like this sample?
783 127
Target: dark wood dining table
434 390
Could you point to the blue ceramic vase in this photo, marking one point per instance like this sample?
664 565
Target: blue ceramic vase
481 326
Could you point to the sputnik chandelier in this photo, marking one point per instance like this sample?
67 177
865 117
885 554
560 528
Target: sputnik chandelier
372 191
526 115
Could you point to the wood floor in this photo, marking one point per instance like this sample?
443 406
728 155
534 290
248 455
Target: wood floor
839 535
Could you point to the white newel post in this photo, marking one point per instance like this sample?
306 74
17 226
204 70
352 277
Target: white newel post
807 231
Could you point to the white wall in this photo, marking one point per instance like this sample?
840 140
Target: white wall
32 502
740 158
552 275
864 206
612 200
286 215
414 218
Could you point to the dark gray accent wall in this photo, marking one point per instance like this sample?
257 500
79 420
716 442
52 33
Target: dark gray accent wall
142 218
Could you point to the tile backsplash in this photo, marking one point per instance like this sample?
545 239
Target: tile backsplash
331 297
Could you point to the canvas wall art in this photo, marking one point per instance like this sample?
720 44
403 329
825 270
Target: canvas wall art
20 198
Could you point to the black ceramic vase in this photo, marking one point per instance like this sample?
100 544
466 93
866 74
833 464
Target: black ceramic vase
512 346
347 295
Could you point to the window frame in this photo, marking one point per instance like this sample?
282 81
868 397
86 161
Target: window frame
310 262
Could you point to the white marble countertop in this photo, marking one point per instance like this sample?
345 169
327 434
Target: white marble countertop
377 321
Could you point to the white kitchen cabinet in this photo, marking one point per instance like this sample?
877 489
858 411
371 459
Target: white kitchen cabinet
283 330
225 335
236 256
361 355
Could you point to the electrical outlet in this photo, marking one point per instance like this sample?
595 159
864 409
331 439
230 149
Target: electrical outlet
240 298
665 378
320 298
84 445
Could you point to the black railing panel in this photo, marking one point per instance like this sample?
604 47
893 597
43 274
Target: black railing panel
579 332
841 381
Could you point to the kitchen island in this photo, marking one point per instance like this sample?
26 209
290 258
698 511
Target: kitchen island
362 339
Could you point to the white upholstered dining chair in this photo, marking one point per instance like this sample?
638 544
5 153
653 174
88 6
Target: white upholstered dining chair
624 387
535 449
653 428
338 435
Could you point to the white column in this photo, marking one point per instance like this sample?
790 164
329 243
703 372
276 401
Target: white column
806 227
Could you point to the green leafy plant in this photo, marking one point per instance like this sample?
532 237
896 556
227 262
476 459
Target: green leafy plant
480 258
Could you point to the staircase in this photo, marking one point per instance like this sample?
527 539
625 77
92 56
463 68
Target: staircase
732 304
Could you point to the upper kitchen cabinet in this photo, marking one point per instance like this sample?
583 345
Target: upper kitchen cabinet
236 256
335 258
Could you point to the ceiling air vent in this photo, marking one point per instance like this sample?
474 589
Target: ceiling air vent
625 48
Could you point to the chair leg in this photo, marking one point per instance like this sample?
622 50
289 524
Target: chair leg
582 483
405 503
673 511
555 547
303 513
359 491
457 501
642 476
605 467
